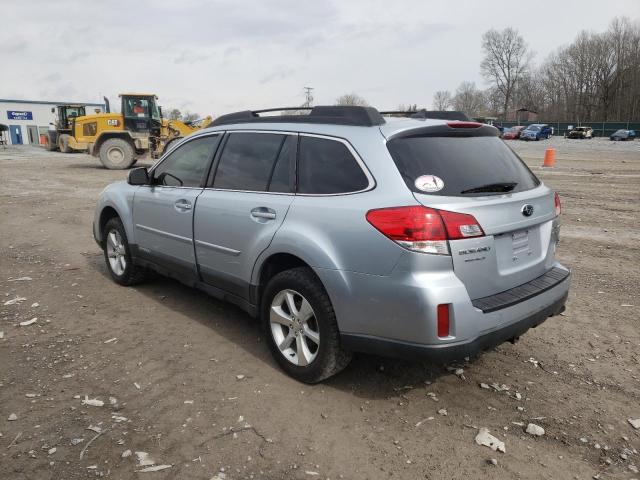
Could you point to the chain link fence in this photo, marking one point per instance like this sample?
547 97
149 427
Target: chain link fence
600 129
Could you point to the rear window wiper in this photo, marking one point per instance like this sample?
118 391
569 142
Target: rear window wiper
492 187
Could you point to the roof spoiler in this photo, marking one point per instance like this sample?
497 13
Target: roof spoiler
432 114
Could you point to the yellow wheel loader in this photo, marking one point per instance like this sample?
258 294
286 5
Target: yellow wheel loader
119 138
62 125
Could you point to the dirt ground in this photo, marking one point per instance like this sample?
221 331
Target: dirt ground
190 380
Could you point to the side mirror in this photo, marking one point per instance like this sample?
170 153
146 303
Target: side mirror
138 176
53 110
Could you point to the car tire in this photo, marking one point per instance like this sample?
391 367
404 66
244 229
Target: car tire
117 255
289 330
116 154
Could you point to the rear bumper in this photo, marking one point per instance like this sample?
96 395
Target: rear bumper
450 352
396 315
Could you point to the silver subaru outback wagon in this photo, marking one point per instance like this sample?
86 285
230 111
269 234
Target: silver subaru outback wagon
346 231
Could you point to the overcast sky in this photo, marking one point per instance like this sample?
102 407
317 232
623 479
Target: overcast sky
213 57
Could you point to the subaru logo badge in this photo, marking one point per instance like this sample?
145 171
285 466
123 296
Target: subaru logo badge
527 210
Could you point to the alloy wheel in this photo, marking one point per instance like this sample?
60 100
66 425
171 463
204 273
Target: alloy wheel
294 327
116 252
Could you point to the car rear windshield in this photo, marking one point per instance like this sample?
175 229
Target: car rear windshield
461 165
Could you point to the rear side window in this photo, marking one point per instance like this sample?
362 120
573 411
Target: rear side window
474 165
327 166
251 161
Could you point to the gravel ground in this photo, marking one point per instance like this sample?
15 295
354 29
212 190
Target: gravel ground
189 380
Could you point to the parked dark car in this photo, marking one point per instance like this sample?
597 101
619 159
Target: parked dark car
536 131
512 133
580 132
622 135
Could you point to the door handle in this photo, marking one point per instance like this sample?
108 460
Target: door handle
182 205
263 212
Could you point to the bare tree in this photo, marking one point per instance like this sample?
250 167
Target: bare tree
506 57
352 99
189 117
492 101
596 77
469 99
174 114
529 92
442 100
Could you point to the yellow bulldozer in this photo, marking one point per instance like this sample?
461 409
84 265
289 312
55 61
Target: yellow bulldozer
118 139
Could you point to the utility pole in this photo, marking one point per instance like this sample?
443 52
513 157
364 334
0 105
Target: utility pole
308 97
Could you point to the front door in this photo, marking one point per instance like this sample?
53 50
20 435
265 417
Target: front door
237 217
163 211
33 134
16 134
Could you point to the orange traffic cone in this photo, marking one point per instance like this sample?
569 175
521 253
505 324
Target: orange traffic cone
549 158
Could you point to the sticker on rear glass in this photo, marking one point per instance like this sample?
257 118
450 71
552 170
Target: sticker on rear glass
429 183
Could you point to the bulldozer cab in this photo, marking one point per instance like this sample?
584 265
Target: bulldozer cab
141 114
66 113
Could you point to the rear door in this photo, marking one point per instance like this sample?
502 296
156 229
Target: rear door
243 206
481 176
163 211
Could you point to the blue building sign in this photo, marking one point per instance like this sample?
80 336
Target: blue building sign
19 115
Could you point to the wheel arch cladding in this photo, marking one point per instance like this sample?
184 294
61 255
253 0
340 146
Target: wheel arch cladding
117 206
107 214
272 265
333 280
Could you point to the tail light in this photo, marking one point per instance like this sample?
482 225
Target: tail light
556 201
464 124
423 229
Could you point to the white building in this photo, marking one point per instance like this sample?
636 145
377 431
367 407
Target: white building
29 119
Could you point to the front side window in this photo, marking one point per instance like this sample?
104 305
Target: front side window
328 167
256 162
186 166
